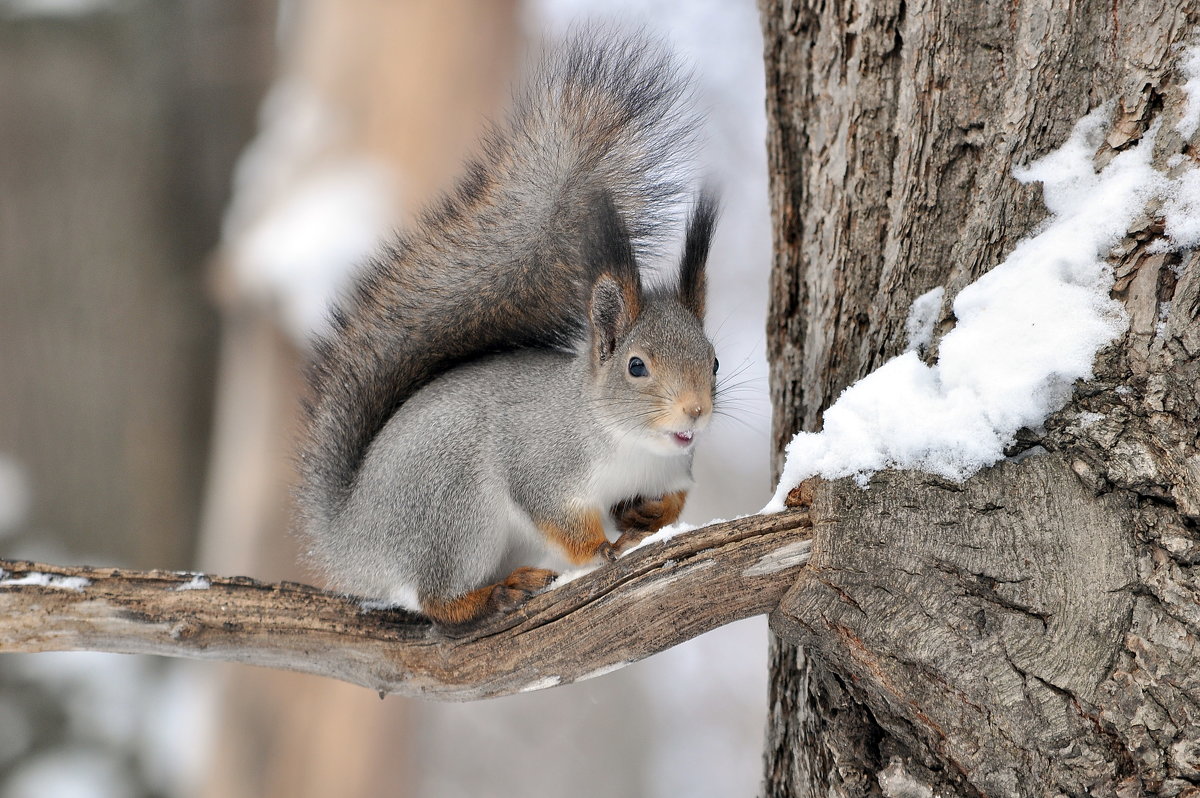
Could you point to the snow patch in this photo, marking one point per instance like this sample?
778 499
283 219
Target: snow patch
922 316
197 582
1181 214
1160 326
1026 331
666 533
378 605
1189 65
77 583
571 576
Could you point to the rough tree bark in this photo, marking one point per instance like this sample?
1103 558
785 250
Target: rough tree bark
1035 631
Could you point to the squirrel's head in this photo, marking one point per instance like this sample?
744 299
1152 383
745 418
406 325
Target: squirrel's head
653 368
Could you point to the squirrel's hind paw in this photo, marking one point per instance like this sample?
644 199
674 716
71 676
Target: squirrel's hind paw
530 580
519 587
460 615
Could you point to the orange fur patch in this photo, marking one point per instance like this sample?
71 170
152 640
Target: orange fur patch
581 537
464 609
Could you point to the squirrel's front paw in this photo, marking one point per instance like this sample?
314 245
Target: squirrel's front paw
643 514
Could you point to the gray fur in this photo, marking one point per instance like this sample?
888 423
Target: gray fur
449 492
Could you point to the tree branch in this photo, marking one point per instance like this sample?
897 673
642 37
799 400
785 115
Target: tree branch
646 602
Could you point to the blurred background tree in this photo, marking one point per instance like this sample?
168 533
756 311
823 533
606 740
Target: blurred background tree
119 125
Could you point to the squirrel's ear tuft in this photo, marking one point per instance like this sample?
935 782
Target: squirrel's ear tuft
616 286
607 250
609 316
692 282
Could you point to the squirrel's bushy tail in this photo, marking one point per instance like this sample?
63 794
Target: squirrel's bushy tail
496 264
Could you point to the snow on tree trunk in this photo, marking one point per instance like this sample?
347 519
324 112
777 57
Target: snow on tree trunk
1034 630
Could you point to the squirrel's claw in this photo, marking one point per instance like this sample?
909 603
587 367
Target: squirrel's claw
607 551
630 538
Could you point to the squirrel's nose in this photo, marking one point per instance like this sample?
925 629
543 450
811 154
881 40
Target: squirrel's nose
695 408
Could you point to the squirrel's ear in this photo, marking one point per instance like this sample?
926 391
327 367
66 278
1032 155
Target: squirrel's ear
610 317
692 282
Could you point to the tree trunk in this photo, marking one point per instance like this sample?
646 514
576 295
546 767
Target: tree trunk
118 129
1036 630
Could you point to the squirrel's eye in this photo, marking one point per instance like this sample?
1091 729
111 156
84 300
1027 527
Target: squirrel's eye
637 368
716 365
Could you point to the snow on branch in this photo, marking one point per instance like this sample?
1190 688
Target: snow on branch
645 602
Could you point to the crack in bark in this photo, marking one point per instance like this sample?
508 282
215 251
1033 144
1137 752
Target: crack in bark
983 587
1148 591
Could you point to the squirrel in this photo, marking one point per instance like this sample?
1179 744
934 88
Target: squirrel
499 395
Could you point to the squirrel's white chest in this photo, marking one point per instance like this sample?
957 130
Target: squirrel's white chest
633 471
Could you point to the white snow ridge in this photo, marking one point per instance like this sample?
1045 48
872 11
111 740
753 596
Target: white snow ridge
1026 330
40 579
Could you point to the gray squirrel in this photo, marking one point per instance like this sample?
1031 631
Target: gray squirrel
500 397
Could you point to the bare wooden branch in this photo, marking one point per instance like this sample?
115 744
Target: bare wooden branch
646 602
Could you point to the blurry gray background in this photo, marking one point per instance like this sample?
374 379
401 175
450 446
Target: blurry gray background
183 183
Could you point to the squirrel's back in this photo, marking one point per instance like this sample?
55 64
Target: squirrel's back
496 264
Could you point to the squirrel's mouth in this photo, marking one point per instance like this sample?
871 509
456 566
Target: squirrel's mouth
683 438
